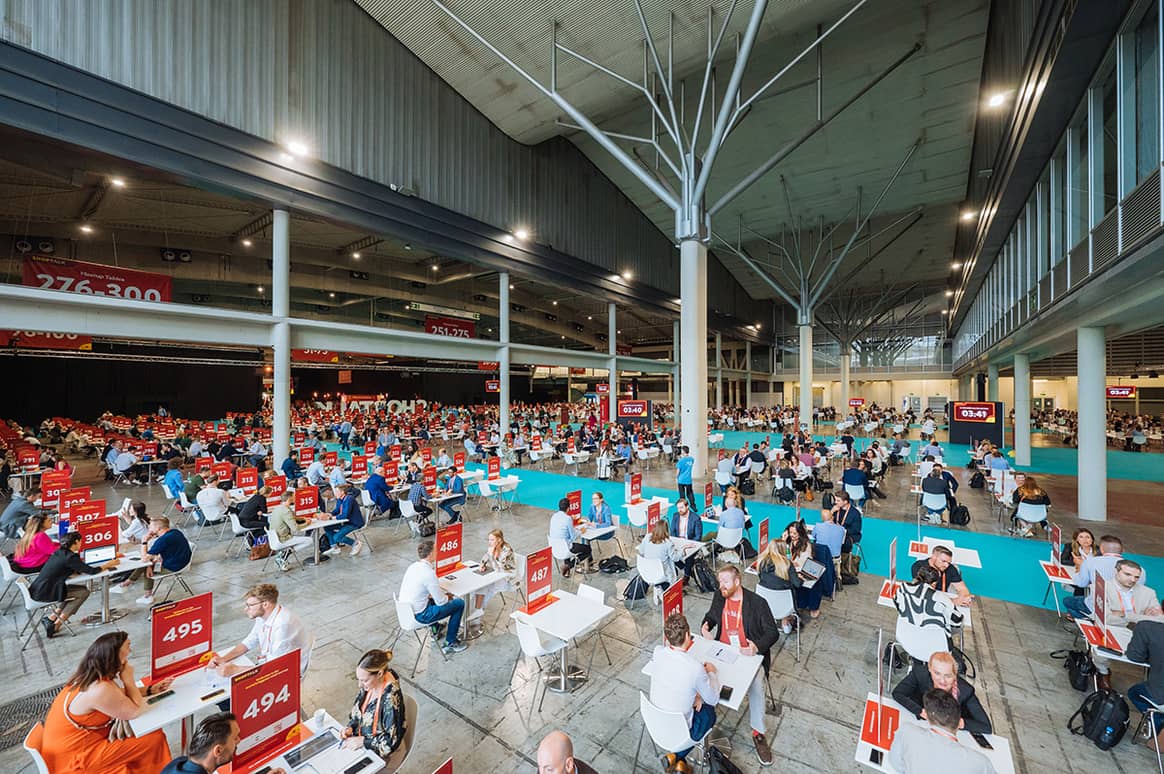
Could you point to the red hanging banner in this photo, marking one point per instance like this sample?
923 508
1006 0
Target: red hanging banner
94 279
44 340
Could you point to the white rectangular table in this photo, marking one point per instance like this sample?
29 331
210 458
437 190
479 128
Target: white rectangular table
565 619
314 526
107 615
192 692
736 672
1000 757
963 557
465 582
334 760
639 509
1054 577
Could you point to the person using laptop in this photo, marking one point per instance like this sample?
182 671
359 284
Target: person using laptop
741 618
918 749
681 684
376 720
51 584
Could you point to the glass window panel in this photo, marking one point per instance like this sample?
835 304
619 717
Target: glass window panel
1110 187
1147 95
1078 227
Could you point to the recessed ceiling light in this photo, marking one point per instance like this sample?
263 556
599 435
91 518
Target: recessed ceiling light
555 303
355 255
955 265
511 287
118 182
589 317
521 233
247 243
297 148
969 215
507 238
756 326
331 295
996 99
260 288
407 246
626 275
949 293
619 333
86 229
563 338
945 311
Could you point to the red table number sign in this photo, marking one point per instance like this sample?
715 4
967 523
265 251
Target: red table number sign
71 497
654 513
330 459
394 452
51 485
278 484
494 468
247 479
202 464
763 535
306 455
265 701
359 466
918 547
673 599
539 579
636 487
428 477
426 455
536 443
392 472
445 768
90 510
369 448
307 501
99 533
1099 604
28 457
571 446
893 560
708 495
459 462
879 725
448 549
574 511
1056 544
223 470
181 633
298 438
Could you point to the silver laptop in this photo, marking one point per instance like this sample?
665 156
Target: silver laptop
95 557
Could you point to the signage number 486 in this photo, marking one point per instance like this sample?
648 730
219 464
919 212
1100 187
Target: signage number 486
266 701
450 545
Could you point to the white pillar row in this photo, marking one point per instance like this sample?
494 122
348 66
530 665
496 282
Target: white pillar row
676 401
846 355
806 373
693 361
281 334
748 368
1022 410
612 349
503 349
718 371
992 382
1092 368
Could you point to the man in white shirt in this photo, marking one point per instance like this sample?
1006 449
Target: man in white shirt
1111 551
920 749
316 476
257 452
421 590
680 683
212 502
276 632
335 477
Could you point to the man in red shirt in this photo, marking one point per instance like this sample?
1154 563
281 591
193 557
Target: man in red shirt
740 618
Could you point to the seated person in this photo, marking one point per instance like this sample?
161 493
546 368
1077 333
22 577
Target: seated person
443 459
139 524
378 490
376 720
1127 602
430 604
949 576
335 476
934 483
316 475
35 546
454 485
778 574
211 746
562 528
173 481
281 522
21 508
1110 552
162 544
498 557
916 749
556 756
657 544
51 584
732 515
1029 492
347 506
942 673
276 631
1147 647
126 464
681 684
291 469
252 514
418 496
785 484
212 501
921 604
829 532
102 690
855 476
599 514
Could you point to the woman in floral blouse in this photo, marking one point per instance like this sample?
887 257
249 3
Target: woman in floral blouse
498 558
376 721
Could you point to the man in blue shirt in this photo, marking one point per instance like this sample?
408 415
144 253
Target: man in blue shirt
291 469
377 488
683 476
173 482
855 476
829 533
418 496
161 543
455 485
346 507
562 528
345 434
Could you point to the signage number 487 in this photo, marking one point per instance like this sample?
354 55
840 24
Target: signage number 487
540 575
266 701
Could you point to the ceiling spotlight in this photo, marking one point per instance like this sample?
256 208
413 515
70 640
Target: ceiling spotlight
297 148
945 311
491 330
626 275
247 243
511 287
563 338
521 234
756 326
996 99
619 332
407 246
355 255
555 303
968 215
117 182
331 295
260 288
949 293
955 265
589 317
269 369
436 267
86 229
507 238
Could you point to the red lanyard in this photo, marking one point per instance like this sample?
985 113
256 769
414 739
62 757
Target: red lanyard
376 714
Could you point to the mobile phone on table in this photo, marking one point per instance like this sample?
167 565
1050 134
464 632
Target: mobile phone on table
982 742
725 693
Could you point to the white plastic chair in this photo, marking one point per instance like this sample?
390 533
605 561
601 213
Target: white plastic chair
596 595
920 642
727 539
240 532
757 468
933 503
856 493
408 513
32 744
10 576
371 510
290 547
187 508
175 578
669 730
399 756
1031 513
534 644
924 467
782 604
561 551
408 623
31 606
723 478
652 572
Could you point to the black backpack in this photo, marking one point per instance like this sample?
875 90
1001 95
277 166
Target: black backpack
1080 668
704 577
636 589
977 481
960 515
719 763
748 487
827 501
613 565
1103 719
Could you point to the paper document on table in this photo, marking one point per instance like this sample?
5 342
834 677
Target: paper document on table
725 653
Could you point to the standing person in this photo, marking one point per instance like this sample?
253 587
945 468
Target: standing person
102 693
430 604
917 749
739 617
345 434
51 584
681 684
684 476
376 720
276 631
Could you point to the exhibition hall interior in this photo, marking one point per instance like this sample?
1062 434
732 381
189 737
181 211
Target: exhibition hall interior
435 385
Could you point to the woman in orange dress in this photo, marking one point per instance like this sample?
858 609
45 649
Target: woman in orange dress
101 692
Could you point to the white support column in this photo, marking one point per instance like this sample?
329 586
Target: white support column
1092 368
846 356
503 350
806 373
992 382
718 371
281 335
675 350
748 368
612 342
1022 410
693 361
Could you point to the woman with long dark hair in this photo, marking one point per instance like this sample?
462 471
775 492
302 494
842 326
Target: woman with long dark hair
86 728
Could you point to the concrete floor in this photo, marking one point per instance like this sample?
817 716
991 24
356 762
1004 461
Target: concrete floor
471 711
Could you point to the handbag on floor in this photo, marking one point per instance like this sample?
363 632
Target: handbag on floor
260 548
